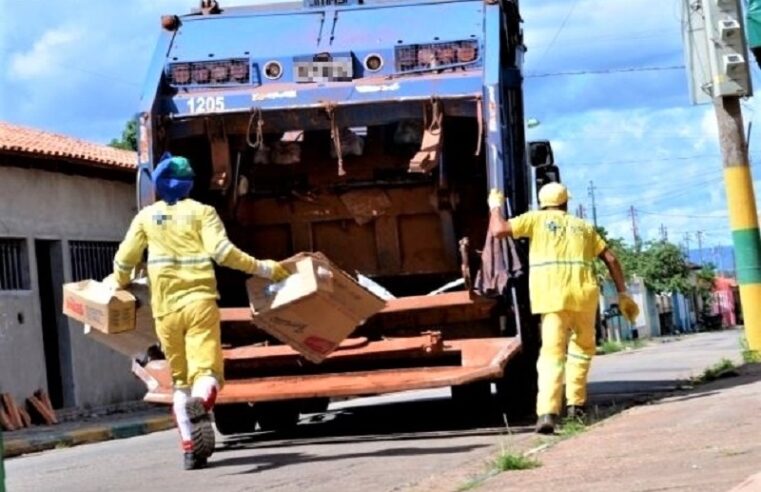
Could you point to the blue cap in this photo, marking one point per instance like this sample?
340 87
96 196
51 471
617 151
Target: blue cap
173 178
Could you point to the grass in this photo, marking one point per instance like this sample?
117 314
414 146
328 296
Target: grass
471 484
611 347
571 427
723 368
507 461
749 356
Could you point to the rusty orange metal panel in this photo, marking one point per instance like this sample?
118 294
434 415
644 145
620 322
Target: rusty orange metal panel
349 348
481 359
482 306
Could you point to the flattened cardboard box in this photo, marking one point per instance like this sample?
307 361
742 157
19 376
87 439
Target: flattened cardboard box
90 302
134 342
317 309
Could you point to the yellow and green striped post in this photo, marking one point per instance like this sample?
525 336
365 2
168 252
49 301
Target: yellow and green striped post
2 467
743 217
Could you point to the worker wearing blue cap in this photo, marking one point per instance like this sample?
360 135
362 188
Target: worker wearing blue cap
184 238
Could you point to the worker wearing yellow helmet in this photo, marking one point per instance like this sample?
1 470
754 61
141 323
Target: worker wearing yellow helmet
564 291
184 238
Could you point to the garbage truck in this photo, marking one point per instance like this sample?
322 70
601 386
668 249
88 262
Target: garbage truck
370 131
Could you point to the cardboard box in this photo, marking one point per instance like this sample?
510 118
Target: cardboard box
317 308
132 343
93 304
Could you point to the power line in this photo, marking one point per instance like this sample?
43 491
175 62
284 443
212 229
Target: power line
660 183
683 216
671 196
641 161
557 33
612 37
605 71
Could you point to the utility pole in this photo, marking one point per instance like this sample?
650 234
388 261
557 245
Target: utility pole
664 233
687 245
591 192
635 231
743 216
699 235
717 61
581 212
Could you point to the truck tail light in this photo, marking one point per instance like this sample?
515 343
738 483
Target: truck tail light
439 56
180 74
200 73
239 71
218 72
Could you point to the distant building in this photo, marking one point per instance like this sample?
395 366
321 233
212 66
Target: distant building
726 302
722 257
64 205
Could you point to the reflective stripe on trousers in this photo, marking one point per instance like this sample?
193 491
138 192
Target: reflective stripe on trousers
568 344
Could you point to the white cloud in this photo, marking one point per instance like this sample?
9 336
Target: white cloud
44 57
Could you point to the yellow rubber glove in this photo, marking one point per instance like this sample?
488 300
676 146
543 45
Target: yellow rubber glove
628 307
111 283
496 199
272 270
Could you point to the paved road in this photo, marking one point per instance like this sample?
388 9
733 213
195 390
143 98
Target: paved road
372 444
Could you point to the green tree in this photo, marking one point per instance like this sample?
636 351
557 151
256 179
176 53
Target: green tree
128 141
626 255
663 267
659 264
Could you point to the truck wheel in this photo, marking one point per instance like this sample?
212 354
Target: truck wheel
277 415
516 390
314 405
473 401
235 418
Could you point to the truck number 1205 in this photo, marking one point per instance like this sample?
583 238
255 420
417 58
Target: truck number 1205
206 104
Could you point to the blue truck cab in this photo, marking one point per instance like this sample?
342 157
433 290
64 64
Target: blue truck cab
371 131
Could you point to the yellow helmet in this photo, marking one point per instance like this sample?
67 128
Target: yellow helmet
553 195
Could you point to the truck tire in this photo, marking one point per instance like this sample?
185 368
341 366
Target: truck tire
235 418
473 402
277 415
314 405
516 390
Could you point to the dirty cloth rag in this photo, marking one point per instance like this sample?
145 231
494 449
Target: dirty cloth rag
499 263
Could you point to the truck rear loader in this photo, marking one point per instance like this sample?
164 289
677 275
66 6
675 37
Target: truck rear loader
370 131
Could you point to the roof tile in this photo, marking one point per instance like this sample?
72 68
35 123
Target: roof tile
15 138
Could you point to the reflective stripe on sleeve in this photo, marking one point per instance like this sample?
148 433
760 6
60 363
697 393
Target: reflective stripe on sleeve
171 260
561 262
222 249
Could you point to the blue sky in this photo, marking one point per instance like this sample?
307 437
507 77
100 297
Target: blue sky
77 68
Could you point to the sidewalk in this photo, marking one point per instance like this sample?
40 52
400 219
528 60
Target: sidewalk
706 439
87 430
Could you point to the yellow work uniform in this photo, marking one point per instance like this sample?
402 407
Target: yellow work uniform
193 329
564 290
182 240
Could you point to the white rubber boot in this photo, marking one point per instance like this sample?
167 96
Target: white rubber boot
198 408
181 417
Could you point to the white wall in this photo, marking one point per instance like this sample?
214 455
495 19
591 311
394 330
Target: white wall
38 204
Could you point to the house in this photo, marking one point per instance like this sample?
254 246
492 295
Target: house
64 206
726 301
647 324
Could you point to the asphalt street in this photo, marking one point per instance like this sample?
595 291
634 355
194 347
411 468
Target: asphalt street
386 443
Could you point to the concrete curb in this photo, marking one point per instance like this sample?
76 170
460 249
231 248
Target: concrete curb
86 435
